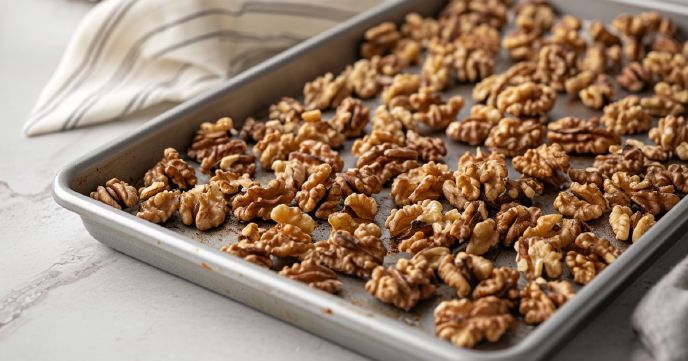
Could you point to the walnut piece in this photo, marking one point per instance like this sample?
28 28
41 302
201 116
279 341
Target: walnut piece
590 256
389 160
351 117
641 223
379 40
402 86
483 238
502 283
628 158
204 205
160 207
633 77
661 106
536 256
587 175
420 183
463 272
513 219
540 299
475 128
465 323
430 149
315 188
545 163
439 116
326 92
560 232
581 136
555 65
626 116
512 136
314 275
671 134
249 248
171 170
583 202
361 205
257 201
252 130
116 193
528 100
404 284
291 236
312 153
356 253
230 183
360 180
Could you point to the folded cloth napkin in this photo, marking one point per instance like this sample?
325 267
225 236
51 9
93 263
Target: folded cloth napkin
128 55
661 317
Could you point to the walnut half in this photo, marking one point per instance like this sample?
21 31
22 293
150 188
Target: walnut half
465 323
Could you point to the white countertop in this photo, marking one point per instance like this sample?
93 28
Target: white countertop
64 296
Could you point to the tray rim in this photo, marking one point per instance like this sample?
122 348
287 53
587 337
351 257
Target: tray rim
538 343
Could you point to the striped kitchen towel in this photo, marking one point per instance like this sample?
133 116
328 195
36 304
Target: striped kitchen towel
128 55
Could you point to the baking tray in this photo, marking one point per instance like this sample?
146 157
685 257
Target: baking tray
353 319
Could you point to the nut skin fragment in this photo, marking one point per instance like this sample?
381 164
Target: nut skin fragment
160 207
512 136
117 194
314 275
544 163
404 284
463 272
257 201
540 299
583 202
465 323
249 248
527 100
626 116
581 136
171 170
204 205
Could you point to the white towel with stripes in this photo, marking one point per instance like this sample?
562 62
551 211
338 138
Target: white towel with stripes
128 55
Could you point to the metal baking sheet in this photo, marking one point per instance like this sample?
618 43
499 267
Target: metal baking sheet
354 318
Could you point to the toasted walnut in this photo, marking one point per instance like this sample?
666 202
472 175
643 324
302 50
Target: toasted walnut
555 65
239 163
312 153
641 223
465 323
252 130
583 202
314 275
283 214
361 205
400 220
578 135
618 188
476 127
431 228
316 129
314 188
326 91
652 153
535 256
292 172
379 40
216 154
424 98
675 92
522 43
363 79
116 193
249 248
540 299
230 183
626 116
463 271
486 178
671 134
580 81
633 77
437 70
528 99
567 34
535 14
257 201
331 202
597 94
558 231
665 67
419 28
675 175
513 136
402 87
210 135
287 111
351 117
274 146
588 175
524 189
353 254
420 183
389 160
359 180
627 159
513 219
204 205
171 169
652 199
489 89
483 238
660 106
404 284
502 283
287 240
591 256
439 116
620 220
544 163
600 34
375 138
430 149
595 59
472 65
151 190
160 207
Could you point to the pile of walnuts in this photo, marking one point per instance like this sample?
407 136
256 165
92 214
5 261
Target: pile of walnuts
450 219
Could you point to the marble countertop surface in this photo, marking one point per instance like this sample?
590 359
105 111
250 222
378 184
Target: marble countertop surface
64 296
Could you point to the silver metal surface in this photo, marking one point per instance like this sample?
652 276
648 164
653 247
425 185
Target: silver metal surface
353 319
